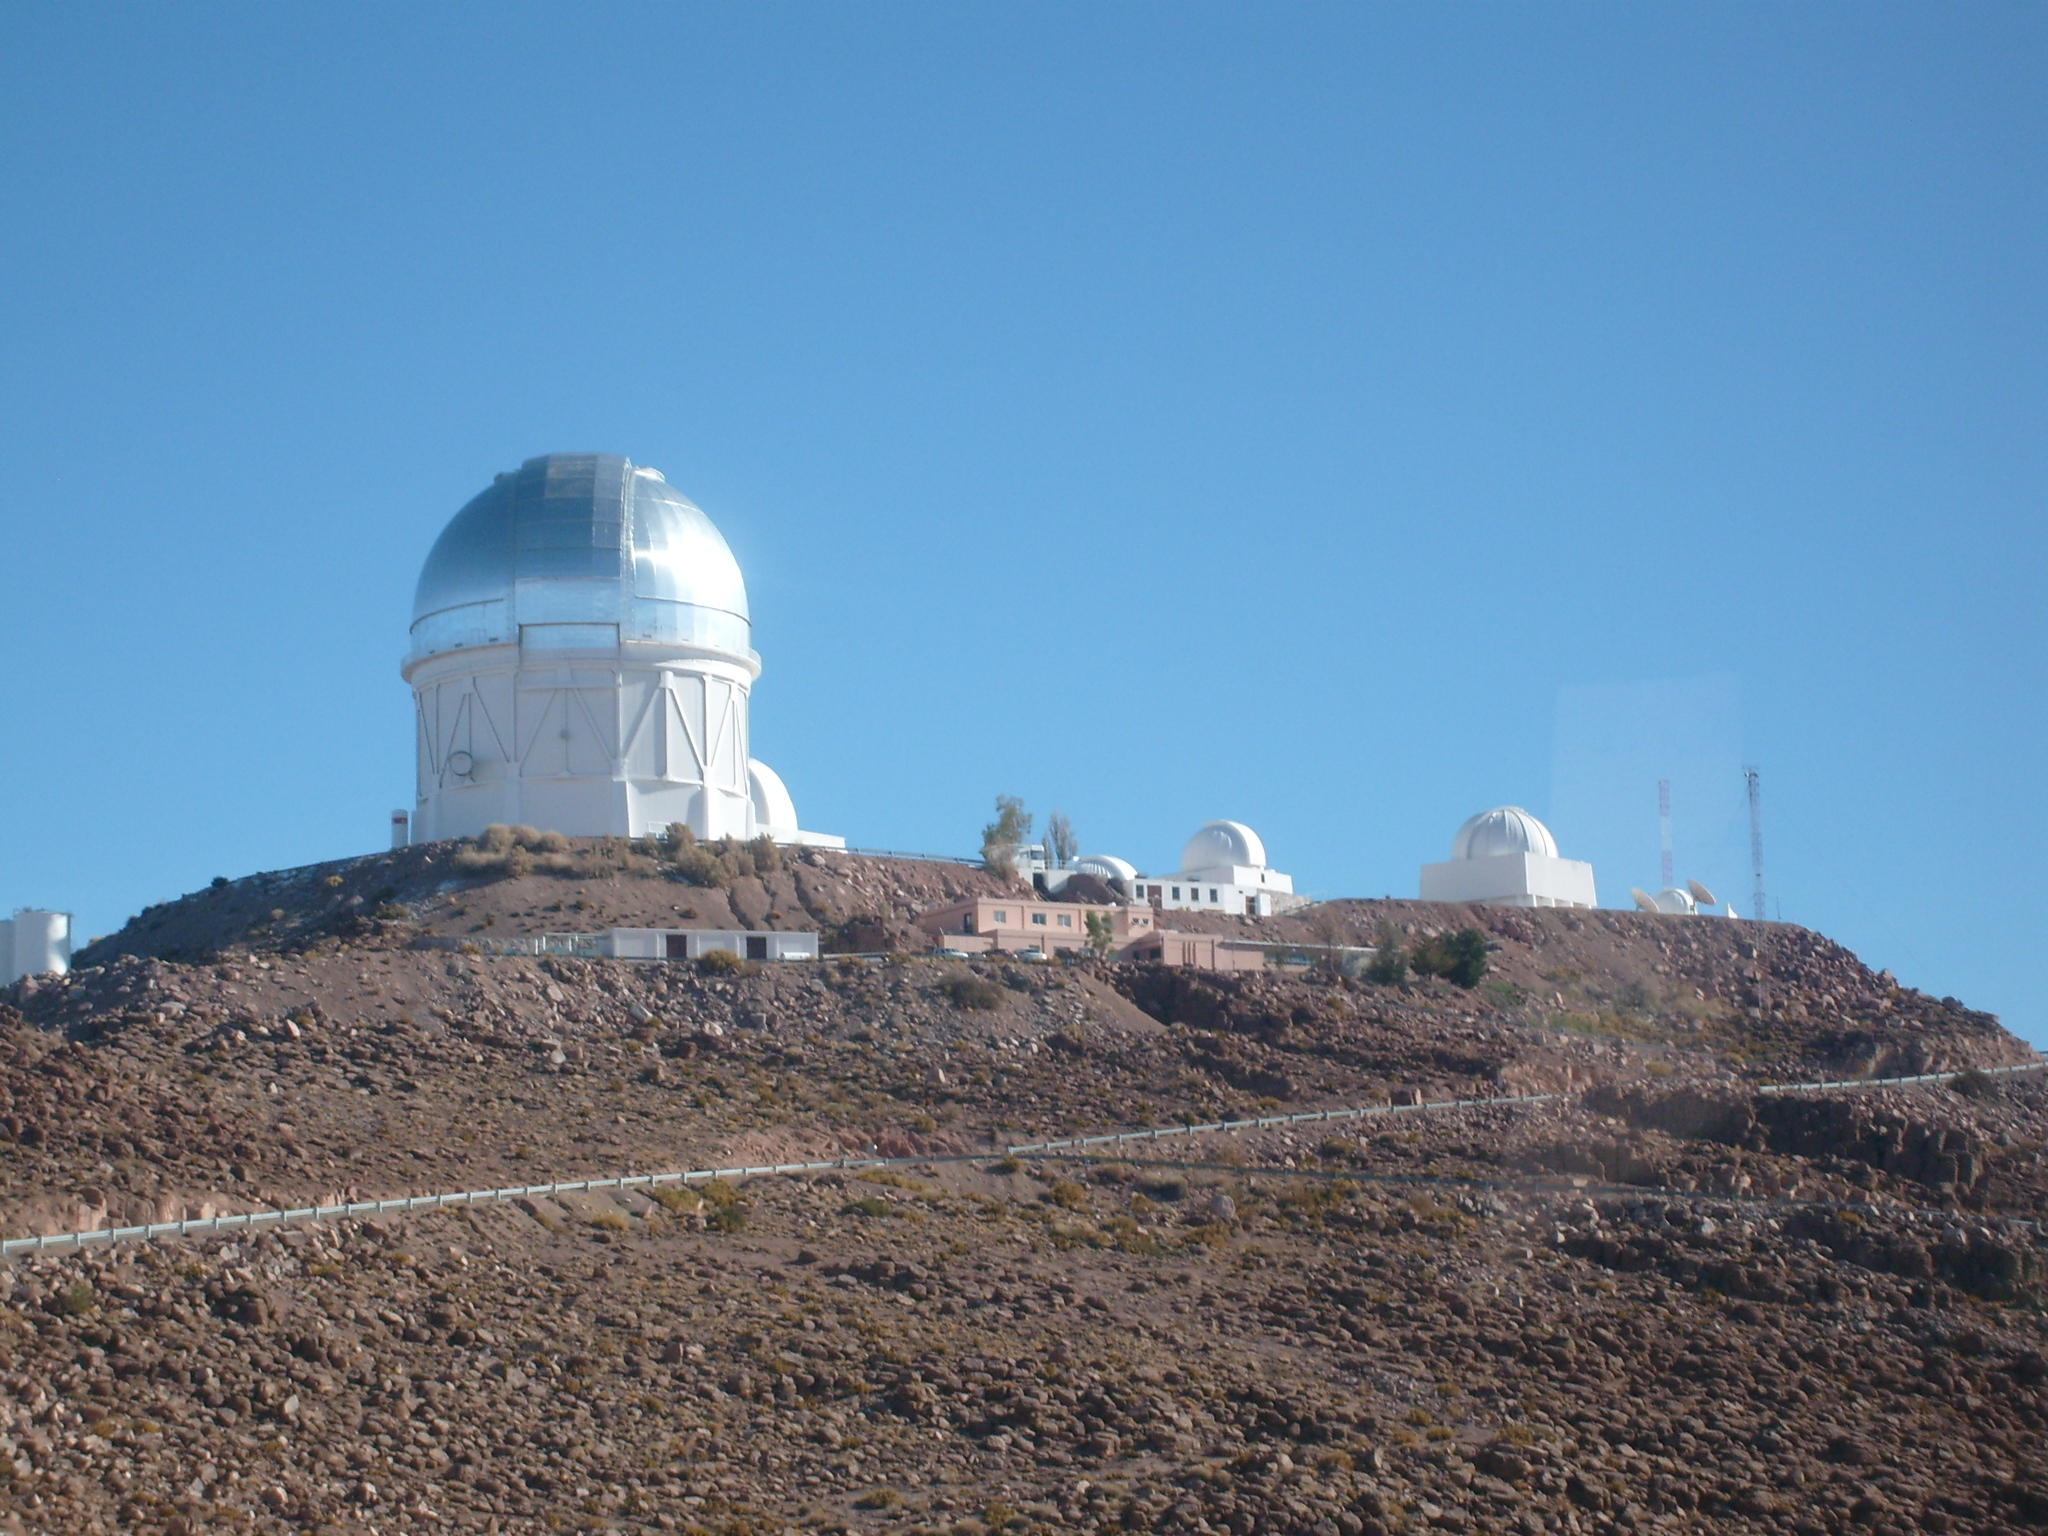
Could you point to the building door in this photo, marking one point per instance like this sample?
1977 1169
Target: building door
676 946
757 946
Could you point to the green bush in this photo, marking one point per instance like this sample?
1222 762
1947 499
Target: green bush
1388 966
1101 934
1460 958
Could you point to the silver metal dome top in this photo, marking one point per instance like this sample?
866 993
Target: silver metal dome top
1503 830
580 543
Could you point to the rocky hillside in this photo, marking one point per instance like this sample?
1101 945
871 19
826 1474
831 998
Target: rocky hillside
456 890
1666 1299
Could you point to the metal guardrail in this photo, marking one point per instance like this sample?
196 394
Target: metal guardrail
409 1203
1900 1082
898 853
1267 1122
248 1220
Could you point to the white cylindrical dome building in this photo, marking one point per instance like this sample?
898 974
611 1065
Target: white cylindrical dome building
1507 857
581 662
1223 844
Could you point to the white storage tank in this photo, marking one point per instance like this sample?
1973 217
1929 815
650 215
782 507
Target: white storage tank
35 942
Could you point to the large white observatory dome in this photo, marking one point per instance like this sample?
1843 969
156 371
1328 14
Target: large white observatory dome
1221 844
571 539
582 662
1502 830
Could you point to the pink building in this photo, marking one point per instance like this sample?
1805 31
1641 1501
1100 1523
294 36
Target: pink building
1203 951
980 925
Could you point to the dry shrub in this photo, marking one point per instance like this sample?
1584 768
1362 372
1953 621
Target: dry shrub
521 850
975 994
714 865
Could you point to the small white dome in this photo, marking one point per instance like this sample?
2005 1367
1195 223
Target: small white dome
1504 829
1105 866
774 811
1672 899
1223 842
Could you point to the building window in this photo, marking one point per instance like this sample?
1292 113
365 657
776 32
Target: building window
1066 921
1002 917
1176 893
1038 919
1212 895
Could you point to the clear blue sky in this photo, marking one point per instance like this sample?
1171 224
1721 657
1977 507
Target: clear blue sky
1336 417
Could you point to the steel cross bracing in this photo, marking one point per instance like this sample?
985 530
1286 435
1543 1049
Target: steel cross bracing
1070 1146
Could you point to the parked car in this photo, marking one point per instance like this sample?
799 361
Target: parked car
949 954
1034 955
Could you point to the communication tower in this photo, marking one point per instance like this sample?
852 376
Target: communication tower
1756 838
1664 827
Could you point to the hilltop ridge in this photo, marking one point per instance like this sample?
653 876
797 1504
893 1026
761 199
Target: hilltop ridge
1596 1313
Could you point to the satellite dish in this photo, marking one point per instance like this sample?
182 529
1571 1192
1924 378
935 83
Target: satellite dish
1701 894
461 764
1643 900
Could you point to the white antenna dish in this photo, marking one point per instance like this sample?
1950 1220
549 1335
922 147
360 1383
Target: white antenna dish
1701 894
1643 900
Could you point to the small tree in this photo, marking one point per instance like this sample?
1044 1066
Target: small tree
1001 838
1101 933
1060 841
1460 958
1389 964
1330 933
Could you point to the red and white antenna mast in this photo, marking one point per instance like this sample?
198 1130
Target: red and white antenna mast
1756 836
1664 830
